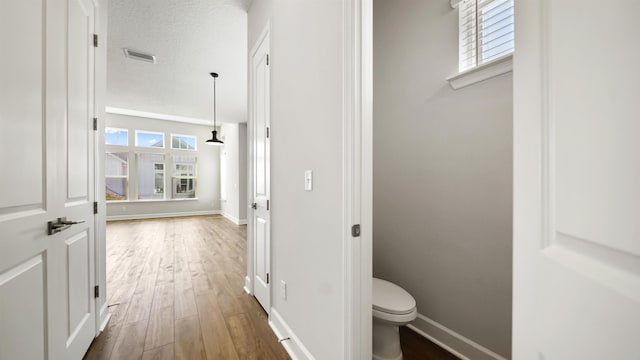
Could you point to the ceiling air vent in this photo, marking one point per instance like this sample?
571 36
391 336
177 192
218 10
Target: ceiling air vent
139 56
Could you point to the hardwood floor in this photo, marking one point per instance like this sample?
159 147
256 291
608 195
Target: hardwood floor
175 292
416 347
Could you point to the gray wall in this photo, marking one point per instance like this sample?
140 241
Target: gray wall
242 163
442 174
234 205
208 169
306 128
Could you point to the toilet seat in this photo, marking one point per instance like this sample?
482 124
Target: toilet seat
391 301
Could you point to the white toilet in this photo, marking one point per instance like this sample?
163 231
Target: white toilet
392 307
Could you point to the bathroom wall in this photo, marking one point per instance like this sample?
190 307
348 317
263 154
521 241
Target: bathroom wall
442 179
306 134
234 205
208 170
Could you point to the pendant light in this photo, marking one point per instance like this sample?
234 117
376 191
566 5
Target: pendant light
214 138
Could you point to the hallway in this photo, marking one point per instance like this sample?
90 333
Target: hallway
175 291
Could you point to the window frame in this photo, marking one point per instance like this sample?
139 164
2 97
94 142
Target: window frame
481 72
115 128
149 132
195 143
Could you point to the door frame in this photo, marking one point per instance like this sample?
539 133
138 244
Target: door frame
251 249
100 224
357 165
358 176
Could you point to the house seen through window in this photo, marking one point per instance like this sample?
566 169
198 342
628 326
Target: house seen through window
184 177
150 176
183 142
117 175
147 169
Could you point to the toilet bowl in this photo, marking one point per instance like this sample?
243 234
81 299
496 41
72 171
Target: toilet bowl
392 307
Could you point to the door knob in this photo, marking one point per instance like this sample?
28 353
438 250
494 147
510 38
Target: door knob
60 224
254 206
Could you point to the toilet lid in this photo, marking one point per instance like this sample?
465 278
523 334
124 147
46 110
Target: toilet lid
391 298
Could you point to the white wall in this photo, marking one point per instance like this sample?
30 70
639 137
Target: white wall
306 128
242 178
208 170
234 204
442 177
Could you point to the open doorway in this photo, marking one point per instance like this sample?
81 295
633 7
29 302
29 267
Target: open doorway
176 207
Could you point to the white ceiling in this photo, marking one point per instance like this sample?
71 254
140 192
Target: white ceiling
190 39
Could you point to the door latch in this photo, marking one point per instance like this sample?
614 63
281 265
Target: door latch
355 230
254 206
60 224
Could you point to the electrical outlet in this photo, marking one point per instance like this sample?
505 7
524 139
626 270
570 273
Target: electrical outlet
283 290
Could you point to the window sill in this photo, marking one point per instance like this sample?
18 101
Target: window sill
484 72
148 201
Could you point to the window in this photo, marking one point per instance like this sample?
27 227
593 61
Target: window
183 142
113 136
150 176
486 31
184 177
149 139
116 175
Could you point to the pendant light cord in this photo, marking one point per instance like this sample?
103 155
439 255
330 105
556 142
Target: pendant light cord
214 102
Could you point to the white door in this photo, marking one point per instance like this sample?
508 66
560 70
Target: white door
46 141
576 180
260 162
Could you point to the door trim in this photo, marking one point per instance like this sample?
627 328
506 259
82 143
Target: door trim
100 87
248 286
358 176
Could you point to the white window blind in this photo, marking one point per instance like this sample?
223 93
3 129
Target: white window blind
486 31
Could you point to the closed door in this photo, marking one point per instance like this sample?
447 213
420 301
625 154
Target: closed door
260 162
577 181
47 308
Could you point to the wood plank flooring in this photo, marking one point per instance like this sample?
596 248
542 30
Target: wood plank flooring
175 292
416 347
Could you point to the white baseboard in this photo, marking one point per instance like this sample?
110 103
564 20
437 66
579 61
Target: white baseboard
234 219
105 316
161 215
292 344
451 341
247 285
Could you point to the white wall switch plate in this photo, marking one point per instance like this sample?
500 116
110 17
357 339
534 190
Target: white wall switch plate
308 180
283 290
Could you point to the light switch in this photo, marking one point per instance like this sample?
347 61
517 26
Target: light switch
308 180
283 290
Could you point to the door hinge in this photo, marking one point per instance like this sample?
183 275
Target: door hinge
267 204
96 291
95 207
267 278
95 40
267 132
267 59
95 124
355 230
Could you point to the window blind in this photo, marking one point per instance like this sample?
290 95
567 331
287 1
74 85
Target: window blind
486 31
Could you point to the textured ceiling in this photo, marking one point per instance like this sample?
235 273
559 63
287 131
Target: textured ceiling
190 39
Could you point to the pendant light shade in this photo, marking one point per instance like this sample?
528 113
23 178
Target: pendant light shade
214 134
